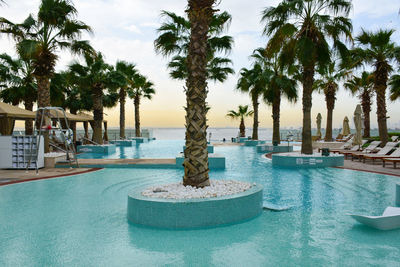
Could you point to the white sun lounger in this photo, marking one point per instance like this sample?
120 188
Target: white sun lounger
389 220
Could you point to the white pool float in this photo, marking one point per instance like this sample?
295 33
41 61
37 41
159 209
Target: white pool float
389 220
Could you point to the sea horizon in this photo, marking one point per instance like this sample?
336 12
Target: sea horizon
217 133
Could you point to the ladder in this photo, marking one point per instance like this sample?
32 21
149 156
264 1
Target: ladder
65 133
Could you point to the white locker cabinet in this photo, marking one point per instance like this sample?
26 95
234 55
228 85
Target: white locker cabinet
15 152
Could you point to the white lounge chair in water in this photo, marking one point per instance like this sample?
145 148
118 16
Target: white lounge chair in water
389 220
274 207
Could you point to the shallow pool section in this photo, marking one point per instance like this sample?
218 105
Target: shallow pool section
154 149
81 220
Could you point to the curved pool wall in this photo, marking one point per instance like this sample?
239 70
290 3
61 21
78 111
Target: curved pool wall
139 140
269 148
253 142
97 149
123 142
81 220
194 213
302 161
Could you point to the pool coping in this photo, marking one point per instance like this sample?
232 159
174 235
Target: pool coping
48 177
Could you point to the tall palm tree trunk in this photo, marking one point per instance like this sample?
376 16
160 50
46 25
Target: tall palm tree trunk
308 80
366 107
97 114
28 122
330 96
242 128
255 119
122 99
136 102
196 156
276 113
380 85
43 83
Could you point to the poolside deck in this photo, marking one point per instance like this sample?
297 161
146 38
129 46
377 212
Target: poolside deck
121 163
15 176
369 167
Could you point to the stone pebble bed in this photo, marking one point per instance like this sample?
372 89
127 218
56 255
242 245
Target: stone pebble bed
217 188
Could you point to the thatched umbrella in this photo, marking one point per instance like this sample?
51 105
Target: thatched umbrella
358 124
10 113
346 127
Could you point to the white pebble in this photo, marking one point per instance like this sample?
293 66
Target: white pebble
217 188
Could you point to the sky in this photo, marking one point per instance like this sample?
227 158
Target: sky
126 29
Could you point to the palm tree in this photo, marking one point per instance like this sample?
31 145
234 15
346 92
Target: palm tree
275 79
328 85
128 70
200 13
394 87
140 88
241 113
65 94
39 38
300 29
363 86
174 41
250 81
18 84
95 77
55 27
279 84
377 49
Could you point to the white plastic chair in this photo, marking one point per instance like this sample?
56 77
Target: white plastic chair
389 220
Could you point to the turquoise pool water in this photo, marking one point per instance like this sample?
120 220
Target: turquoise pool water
81 220
152 149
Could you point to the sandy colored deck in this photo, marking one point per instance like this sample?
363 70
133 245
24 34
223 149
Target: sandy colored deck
10 176
86 162
368 166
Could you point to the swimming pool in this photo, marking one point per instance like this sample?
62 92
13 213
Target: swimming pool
152 149
81 220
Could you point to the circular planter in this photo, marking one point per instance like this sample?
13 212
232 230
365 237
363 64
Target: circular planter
304 161
194 213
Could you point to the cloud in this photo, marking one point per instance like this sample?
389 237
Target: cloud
375 9
150 24
133 28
